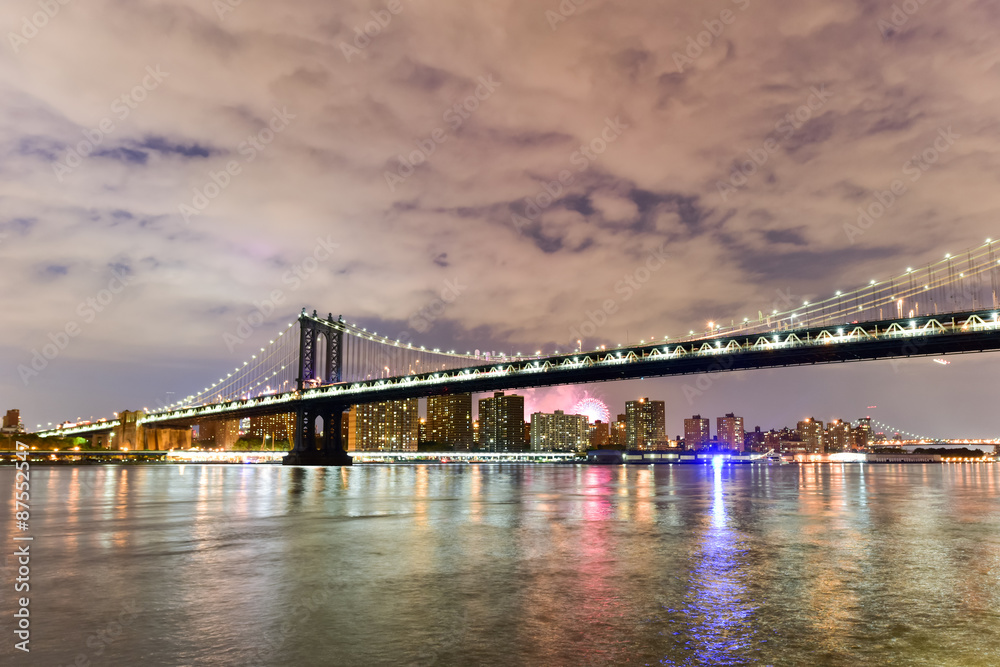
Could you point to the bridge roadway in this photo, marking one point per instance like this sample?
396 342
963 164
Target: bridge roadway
954 333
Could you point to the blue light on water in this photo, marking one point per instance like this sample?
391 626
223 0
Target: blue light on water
718 461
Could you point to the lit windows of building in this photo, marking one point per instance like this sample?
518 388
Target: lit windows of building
449 421
600 434
811 433
388 426
696 435
501 423
838 436
559 432
645 425
729 430
617 433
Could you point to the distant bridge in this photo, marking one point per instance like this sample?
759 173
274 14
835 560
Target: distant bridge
318 367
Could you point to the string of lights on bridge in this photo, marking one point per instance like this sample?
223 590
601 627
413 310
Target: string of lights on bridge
274 368
892 430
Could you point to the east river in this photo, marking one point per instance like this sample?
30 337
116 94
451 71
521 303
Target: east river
813 564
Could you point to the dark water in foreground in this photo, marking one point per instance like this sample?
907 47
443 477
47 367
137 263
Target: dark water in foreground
828 564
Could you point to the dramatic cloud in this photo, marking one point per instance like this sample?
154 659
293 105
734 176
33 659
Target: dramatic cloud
195 154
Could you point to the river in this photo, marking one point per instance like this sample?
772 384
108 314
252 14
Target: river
813 564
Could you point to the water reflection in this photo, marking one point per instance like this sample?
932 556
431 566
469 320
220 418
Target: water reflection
719 611
541 565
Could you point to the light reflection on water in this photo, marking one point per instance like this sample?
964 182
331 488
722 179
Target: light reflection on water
498 565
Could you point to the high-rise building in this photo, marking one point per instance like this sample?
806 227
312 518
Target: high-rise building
449 420
861 435
730 432
600 434
617 433
221 434
645 425
12 422
558 432
838 436
811 432
696 434
273 427
389 426
501 423
753 441
475 434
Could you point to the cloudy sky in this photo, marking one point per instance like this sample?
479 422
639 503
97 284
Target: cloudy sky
182 162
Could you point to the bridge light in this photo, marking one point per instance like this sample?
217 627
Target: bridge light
871 282
947 255
774 312
838 293
805 303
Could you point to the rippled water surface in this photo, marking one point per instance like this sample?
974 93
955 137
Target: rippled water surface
511 565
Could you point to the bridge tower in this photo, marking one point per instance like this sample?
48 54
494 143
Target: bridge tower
312 332
328 448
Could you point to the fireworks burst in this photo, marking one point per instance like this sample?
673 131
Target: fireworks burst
593 408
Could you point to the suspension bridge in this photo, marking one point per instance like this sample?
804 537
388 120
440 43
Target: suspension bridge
317 367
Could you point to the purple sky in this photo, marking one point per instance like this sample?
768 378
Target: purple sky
234 147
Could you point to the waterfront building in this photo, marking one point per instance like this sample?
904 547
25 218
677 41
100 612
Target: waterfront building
449 421
386 426
645 425
12 422
811 433
273 427
861 435
617 433
696 435
729 430
558 431
838 436
600 434
501 423
753 441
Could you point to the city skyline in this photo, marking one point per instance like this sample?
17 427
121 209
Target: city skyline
221 196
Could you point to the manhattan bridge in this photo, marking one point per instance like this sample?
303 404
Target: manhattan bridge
318 367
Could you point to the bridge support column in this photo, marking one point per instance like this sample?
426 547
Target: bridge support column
328 449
